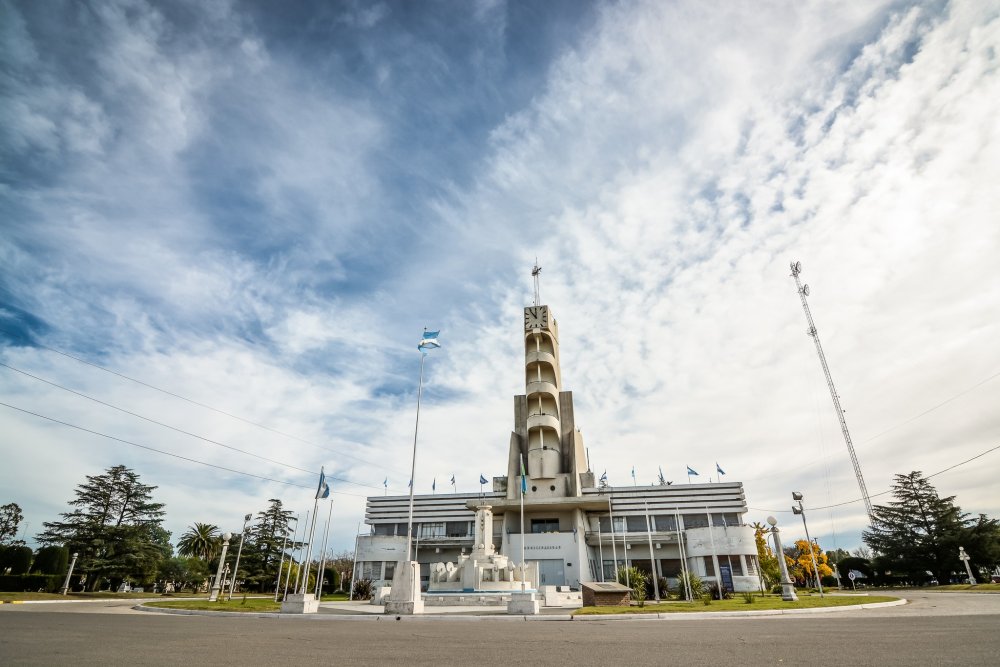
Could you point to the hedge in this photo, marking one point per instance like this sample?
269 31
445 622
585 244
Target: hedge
50 583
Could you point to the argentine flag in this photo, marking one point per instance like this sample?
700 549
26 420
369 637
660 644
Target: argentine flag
482 479
323 491
719 469
429 341
692 471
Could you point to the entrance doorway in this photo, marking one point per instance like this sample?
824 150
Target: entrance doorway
551 572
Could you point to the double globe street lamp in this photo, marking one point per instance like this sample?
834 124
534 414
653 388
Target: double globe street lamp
796 496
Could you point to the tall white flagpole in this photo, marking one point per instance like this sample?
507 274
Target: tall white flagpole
322 561
288 575
523 482
354 566
284 542
600 546
652 558
614 544
309 549
413 465
302 551
715 554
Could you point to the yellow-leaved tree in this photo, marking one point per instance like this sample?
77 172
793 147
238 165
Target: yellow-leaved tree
800 564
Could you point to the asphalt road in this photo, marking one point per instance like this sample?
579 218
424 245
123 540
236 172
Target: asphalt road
938 629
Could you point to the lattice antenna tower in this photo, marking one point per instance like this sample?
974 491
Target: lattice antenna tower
803 293
534 274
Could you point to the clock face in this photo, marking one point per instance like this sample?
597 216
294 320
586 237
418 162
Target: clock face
536 317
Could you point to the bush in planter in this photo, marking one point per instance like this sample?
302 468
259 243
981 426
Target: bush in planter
697 587
636 580
363 589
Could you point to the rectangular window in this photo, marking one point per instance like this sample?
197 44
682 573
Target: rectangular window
609 570
636 524
435 529
457 528
384 528
695 521
545 525
726 519
751 566
665 523
390 569
371 569
401 530
670 567
709 566
734 563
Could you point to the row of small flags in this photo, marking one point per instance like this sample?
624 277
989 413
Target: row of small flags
482 480
691 472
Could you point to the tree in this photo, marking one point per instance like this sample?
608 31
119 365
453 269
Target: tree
919 532
265 538
114 525
202 540
343 564
770 569
51 560
799 559
10 517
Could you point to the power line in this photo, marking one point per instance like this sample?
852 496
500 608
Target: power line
204 405
165 453
174 428
942 403
875 495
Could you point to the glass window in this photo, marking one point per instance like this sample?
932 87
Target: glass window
545 525
609 570
390 569
371 569
636 524
670 567
457 528
695 521
726 519
751 566
435 529
401 529
665 522
384 528
709 566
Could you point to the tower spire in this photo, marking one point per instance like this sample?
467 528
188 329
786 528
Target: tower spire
534 274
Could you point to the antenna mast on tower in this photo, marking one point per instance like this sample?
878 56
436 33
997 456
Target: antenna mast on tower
534 274
803 293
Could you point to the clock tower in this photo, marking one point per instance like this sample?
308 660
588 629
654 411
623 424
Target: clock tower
544 431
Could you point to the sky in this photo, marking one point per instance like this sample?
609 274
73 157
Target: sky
225 224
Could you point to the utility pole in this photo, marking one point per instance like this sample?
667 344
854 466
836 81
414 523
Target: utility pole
803 293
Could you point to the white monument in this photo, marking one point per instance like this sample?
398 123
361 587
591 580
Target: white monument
405 598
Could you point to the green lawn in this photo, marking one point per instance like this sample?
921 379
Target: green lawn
236 604
968 587
30 596
737 604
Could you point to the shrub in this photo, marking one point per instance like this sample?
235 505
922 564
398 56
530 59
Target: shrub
51 560
363 589
697 587
19 559
706 599
664 589
49 583
636 581
748 597
720 594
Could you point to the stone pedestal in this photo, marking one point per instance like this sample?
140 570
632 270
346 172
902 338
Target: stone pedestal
301 603
522 604
405 596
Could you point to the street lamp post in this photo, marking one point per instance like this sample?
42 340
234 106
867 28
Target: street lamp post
65 587
964 557
787 587
217 586
812 553
239 552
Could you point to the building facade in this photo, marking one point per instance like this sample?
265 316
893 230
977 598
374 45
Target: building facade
575 529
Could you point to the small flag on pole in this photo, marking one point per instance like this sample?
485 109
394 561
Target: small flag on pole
429 341
434 485
604 477
453 480
524 477
719 470
691 471
482 479
323 490
385 483
410 483
663 482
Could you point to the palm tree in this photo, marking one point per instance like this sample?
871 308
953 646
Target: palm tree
202 540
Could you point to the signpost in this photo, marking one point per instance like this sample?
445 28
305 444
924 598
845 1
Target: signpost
852 577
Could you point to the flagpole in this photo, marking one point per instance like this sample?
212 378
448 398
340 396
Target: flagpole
523 483
309 548
354 565
288 575
322 562
614 546
715 554
413 464
277 584
652 558
600 547
302 549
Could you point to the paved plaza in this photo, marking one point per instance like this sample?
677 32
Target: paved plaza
935 628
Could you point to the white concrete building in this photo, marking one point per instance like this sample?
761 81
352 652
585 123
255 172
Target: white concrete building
568 533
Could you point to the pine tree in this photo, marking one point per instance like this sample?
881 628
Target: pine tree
917 532
115 527
10 518
262 552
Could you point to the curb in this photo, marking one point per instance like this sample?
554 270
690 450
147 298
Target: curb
89 600
697 615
